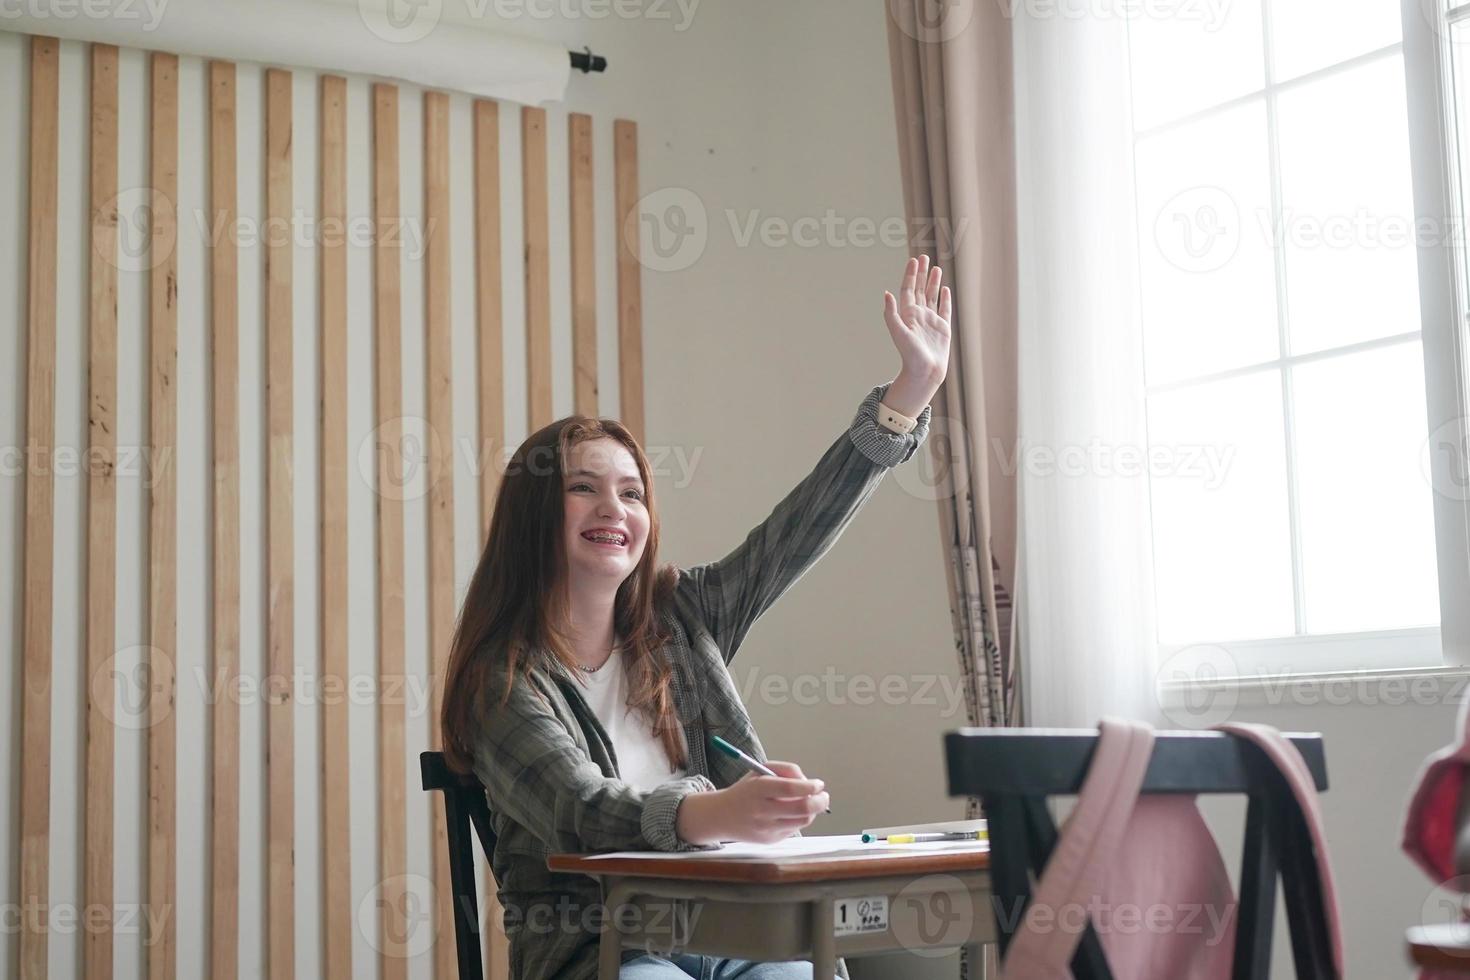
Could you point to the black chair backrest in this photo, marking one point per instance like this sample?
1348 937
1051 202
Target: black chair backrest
1014 771
464 806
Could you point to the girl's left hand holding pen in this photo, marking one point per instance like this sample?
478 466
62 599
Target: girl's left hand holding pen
748 761
768 804
757 808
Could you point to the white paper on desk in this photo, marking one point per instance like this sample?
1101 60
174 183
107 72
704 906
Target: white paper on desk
847 845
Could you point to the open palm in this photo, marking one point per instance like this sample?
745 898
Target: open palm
918 320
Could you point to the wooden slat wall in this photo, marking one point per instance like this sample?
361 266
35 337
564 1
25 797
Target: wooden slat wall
630 284
335 763
35 703
538 267
584 269
280 664
101 589
494 946
337 463
224 662
388 314
488 315
163 515
439 371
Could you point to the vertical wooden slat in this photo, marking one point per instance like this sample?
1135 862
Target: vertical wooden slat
388 314
336 765
630 269
538 270
163 516
280 832
488 314
35 701
439 371
584 265
495 948
224 813
101 586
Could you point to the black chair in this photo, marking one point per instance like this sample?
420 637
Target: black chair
464 805
1014 771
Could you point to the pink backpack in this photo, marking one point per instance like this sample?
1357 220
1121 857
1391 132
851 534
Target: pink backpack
1146 872
1436 816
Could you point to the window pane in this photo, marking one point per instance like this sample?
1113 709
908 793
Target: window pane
1222 542
1192 56
1311 34
1348 212
1367 525
1207 272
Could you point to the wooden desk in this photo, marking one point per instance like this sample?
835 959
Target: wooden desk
817 907
1444 947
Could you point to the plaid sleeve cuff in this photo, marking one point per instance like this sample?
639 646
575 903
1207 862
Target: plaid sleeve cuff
882 445
661 810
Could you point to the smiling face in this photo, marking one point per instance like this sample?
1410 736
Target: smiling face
606 516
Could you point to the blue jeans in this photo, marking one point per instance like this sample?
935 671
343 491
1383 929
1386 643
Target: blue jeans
650 967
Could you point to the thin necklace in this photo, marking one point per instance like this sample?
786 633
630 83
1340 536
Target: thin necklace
592 670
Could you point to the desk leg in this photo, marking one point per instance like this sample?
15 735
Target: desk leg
976 963
610 946
824 940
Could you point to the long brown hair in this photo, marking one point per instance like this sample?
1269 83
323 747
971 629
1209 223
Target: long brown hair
515 613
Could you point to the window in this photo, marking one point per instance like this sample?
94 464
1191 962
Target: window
1303 358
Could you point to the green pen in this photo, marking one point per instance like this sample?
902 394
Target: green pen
754 765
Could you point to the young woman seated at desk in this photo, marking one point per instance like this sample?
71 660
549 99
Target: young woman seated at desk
585 679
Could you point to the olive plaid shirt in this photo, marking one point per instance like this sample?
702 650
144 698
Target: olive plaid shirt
548 766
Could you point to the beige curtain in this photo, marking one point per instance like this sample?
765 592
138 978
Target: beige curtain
952 101
952 95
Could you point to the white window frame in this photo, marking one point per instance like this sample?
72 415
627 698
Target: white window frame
1443 291
1434 158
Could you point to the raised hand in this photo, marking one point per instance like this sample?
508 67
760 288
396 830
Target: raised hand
918 321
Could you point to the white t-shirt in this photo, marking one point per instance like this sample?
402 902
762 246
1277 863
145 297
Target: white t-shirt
642 761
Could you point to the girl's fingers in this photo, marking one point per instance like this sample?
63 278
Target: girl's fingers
896 326
787 823
931 294
807 806
794 810
788 810
803 810
944 304
779 788
910 281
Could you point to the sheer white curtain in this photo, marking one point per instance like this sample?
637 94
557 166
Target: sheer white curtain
1085 617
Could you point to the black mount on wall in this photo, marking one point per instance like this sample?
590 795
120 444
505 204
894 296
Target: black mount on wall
587 61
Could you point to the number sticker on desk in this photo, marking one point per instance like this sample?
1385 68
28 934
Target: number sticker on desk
861 914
